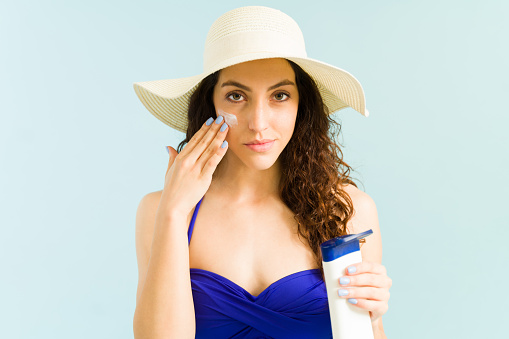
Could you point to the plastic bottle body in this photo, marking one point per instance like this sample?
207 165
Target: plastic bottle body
348 321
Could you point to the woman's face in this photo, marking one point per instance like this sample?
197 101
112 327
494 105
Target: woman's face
263 97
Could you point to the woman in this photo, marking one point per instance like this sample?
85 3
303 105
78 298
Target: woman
259 166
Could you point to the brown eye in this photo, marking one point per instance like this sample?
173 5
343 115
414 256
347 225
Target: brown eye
280 96
235 96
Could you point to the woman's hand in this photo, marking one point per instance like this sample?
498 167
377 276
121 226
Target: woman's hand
189 172
368 286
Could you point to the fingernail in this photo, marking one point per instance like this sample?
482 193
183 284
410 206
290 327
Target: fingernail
224 144
219 119
167 149
352 269
344 280
342 292
353 301
209 121
223 127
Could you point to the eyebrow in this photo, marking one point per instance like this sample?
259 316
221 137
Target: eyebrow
244 87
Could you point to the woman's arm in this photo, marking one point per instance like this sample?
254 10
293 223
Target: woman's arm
370 275
164 302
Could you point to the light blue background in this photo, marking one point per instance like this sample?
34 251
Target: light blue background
79 150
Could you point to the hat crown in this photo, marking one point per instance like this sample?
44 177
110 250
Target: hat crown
251 30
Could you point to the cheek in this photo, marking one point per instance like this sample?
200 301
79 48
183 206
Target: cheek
286 123
229 118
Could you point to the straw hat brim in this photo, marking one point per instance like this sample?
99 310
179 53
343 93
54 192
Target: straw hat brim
168 100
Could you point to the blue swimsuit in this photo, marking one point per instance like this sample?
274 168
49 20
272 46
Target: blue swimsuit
294 306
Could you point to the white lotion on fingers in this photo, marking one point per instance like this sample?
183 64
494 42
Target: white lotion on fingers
230 119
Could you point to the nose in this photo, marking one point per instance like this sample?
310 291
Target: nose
259 116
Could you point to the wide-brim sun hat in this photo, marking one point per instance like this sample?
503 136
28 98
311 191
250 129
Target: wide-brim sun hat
246 34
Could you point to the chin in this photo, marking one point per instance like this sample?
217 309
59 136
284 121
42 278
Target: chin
257 161
261 164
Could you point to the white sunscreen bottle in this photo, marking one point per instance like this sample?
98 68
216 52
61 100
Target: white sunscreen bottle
348 321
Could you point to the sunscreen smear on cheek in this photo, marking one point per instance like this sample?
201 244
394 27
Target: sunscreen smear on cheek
230 119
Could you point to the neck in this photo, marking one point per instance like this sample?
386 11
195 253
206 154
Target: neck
240 184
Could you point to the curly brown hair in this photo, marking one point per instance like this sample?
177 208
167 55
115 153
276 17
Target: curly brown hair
312 170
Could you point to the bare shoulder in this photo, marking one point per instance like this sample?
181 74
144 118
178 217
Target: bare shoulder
153 198
147 208
145 219
365 217
362 201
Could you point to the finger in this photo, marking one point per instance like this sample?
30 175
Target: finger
172 155
205 142
195 139
214 160
371 293
374 306
213 154
365 279
366 266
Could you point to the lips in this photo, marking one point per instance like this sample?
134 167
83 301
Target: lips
260 142
263 147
